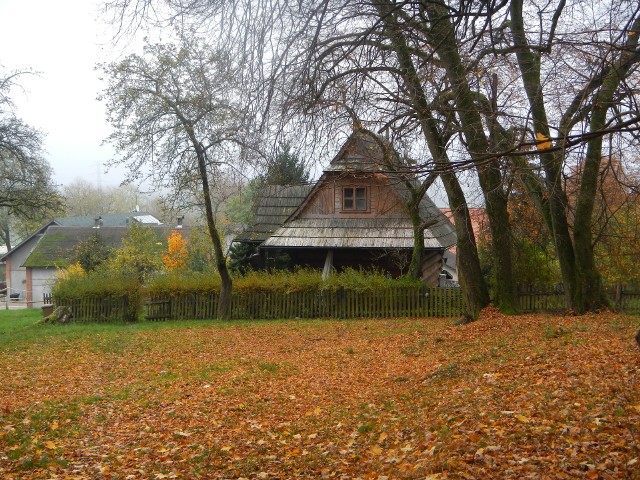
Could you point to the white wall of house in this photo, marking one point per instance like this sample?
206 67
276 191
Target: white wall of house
41 282
16 273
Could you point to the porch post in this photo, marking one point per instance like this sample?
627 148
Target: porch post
328 265
29 292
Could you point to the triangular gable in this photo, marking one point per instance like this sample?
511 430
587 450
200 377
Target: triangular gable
16 248
361 152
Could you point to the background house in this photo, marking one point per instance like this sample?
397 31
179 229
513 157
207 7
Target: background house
480 226
30 277
354 216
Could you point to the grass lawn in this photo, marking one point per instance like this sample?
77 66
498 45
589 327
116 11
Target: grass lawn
535 396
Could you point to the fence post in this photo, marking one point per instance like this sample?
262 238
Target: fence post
618 296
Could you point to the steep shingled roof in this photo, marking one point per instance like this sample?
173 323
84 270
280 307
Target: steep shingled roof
279 225
362 152
378 233
272 208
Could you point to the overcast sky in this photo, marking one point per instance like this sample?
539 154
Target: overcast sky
63 40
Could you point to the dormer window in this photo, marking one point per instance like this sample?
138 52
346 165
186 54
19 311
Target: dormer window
354 199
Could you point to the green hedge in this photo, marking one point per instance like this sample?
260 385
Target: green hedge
301 280
109 287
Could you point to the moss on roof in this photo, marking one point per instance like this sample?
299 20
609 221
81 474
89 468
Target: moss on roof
57 246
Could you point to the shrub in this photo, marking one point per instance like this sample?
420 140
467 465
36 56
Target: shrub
175 258
179 282
140 254
92 252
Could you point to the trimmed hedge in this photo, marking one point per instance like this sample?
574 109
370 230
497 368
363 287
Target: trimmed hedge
301 280
120 294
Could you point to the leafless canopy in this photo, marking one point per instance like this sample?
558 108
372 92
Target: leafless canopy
26 186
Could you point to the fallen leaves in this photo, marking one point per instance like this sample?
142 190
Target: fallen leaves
501 397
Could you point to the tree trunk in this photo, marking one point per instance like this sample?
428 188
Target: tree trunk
443 39
590 295
224 299
419 225
5 235
469 272
529 64
415 266
582 281
473 286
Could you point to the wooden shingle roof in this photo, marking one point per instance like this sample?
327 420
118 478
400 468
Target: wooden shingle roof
378 233
362 152
281 223
272 208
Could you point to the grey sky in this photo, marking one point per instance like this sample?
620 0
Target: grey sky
63 40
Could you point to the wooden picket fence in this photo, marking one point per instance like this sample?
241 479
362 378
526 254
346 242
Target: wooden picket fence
97 309
343 303
542 301
411 302
628 302
539 301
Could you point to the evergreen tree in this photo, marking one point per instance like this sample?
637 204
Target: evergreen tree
286 168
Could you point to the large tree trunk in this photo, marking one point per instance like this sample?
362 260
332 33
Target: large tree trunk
472 282
443 40
224 299
590 293
581 278
529 64
470 277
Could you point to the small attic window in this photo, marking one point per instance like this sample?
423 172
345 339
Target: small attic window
355 199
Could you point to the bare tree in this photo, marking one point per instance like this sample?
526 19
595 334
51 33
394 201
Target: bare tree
174 111
578 65
315 67
514 90
83 198
26 186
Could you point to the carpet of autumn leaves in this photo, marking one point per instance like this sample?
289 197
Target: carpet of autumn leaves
530 396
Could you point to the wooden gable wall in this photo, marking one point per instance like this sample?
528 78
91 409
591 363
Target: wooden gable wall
382 200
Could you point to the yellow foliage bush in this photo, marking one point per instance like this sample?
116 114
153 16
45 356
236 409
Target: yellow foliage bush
74 270
176 256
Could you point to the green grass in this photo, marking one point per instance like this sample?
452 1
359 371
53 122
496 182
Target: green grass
22 328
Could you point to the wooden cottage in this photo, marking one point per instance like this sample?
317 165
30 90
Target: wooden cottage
354 216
